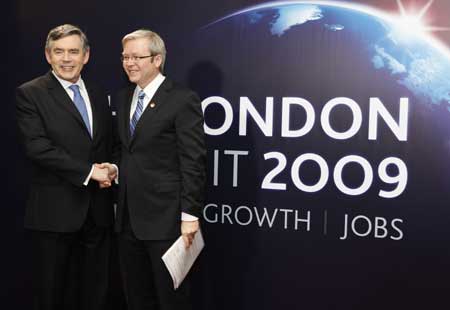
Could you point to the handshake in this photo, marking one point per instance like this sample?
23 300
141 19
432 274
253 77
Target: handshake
104 174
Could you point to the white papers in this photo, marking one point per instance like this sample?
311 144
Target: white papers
179 260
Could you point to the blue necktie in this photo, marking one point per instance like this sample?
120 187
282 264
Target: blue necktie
81 105
138 112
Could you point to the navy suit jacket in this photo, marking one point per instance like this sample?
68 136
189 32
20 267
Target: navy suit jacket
62 152
162 166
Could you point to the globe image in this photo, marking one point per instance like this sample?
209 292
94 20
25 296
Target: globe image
281 32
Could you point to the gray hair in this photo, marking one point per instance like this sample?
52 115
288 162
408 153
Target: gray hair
156 44
63 31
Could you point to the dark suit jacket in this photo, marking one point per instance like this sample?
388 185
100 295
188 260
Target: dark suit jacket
62 152
162 167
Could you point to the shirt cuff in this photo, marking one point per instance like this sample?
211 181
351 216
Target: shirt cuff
188 218
117 175
85 183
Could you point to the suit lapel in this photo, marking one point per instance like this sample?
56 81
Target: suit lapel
62 98
152 108
94 100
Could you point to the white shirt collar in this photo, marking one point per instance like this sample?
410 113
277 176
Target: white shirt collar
152 87
66 84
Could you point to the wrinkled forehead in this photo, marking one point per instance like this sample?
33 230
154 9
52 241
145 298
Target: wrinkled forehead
136 45
72 41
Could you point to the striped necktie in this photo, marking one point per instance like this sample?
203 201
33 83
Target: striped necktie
81 106
138 112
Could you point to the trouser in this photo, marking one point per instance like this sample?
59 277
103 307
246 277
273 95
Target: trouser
71 270
147 282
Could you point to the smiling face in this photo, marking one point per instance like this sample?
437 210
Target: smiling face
67 58
140 71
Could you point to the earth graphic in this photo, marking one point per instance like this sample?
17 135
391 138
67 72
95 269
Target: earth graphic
409 60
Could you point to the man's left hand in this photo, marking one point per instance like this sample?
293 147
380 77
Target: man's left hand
188 230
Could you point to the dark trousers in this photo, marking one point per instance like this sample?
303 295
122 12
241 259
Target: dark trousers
71 269
147 282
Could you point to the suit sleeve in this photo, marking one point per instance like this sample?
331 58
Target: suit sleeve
192 155
40 149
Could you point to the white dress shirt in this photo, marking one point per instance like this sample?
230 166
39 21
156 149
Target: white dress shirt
149 92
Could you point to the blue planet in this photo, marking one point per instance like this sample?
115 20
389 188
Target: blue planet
407 58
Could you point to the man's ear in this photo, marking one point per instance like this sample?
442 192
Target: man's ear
86 56
158 61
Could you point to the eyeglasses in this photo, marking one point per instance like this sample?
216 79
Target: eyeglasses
133 58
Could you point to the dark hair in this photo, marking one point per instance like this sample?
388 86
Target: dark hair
63 31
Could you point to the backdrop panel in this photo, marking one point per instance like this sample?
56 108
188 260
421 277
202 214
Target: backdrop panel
328 133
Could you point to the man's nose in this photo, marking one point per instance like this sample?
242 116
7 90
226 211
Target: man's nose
66 56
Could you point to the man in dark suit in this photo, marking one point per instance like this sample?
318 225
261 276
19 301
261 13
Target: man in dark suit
66 127
161 172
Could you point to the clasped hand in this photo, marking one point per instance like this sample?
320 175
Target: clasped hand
104 174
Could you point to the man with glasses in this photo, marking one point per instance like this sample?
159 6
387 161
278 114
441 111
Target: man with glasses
161 163
66 127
